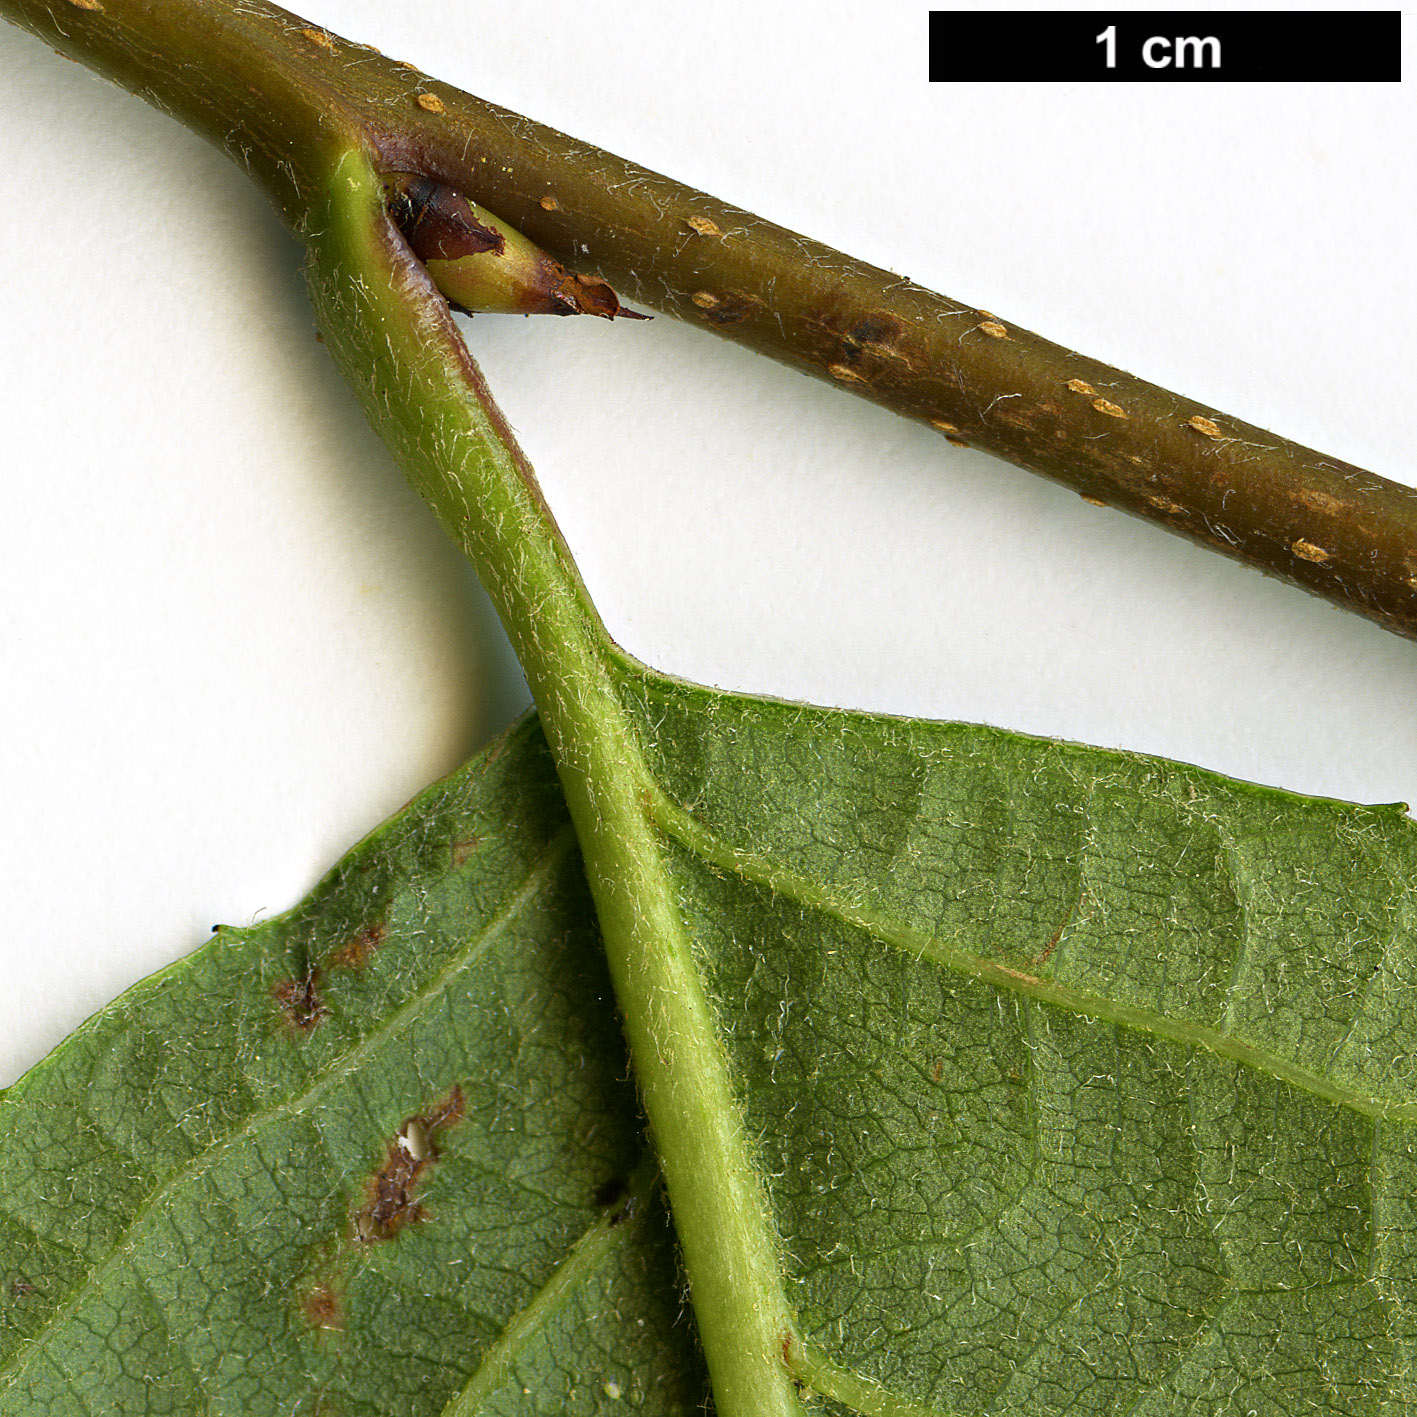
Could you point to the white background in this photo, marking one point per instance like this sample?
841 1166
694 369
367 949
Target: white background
232 641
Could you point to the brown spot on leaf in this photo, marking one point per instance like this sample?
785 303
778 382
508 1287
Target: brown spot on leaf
1081 386
430 103
1307 551
846 373
317 37
955 442
356 951
944 426
1208 426
1165 504
1044 955
704 299
705 226
464 849
21 1289
1111 409
87 4
994 329
321 1307
300 1001
1091 500
389 1202
549 204
938 1071
1018 974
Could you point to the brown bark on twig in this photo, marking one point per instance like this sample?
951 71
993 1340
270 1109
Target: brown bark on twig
248 68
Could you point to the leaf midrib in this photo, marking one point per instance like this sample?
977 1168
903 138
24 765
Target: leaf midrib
338 1068
691 833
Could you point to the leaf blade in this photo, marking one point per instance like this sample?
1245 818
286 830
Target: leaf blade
952 967
454 949
1023 845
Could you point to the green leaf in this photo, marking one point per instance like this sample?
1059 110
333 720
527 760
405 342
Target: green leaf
1078 1082
357 1159
986 1075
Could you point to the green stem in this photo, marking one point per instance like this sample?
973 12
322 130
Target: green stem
319 122
310 125
240 74
393 336
287 90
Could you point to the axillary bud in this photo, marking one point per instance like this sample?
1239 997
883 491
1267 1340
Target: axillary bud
483 265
